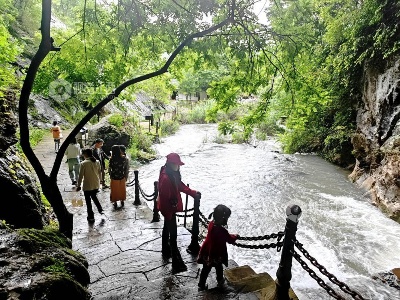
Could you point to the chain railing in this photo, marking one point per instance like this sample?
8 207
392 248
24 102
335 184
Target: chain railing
148 197
286 246
344 287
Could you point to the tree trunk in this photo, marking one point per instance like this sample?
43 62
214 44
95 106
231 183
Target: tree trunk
48 184
52 192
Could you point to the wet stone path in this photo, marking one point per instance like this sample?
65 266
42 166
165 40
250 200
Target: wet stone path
123 247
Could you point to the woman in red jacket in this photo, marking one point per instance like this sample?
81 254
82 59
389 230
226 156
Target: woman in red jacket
213 252
170 187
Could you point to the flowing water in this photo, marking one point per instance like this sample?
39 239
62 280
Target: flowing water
338 226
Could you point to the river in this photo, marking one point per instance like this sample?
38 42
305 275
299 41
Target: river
338 226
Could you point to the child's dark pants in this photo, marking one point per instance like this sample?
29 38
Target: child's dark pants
206 270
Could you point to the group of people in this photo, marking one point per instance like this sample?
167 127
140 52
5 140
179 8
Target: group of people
213 252
89 174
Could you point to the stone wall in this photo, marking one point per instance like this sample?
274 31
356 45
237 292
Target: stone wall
377 140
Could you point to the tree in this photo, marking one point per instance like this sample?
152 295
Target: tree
49 182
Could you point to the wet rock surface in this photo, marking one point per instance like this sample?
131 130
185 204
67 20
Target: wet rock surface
39 264
20 205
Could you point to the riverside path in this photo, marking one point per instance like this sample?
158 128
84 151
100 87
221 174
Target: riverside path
123 247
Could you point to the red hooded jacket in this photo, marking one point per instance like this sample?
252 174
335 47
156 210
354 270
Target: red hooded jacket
213 251
169 195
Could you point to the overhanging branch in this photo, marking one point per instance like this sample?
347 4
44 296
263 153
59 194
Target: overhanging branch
130 82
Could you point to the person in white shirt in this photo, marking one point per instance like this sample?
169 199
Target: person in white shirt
73 153
90 174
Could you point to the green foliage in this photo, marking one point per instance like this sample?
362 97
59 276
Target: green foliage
141 147
226 128
117 120
36 238
36 135
239 137
168 127
196 115
9 47
44 201
337 143
56 266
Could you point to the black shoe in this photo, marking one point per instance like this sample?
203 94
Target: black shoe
203 287
178 267
122 204
74 182
221 282
115 205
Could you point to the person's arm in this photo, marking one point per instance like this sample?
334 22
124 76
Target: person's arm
126 166
104 154
230 238
185 189
81 171
98 169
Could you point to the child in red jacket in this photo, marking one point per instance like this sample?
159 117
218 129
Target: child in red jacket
213 252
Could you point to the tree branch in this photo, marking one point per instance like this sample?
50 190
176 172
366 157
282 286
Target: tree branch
128 83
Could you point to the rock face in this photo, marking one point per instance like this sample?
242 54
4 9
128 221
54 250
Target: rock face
109 133
21 204
377 140
37 264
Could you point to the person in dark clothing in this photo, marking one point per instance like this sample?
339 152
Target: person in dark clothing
118 169
169 202
101 156
213 252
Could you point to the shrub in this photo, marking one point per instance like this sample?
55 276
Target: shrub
117 120
168 127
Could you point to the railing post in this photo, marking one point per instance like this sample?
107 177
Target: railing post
156 215
137 200
194 246
284 272
184 219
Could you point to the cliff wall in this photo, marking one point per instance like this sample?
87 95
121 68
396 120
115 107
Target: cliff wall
377 140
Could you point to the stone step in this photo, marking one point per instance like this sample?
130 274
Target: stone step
246 279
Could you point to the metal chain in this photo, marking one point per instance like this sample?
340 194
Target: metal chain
265 246
204 223
204 218
280 234
131 183
144 194
344 287
322 283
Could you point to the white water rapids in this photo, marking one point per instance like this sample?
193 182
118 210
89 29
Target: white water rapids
338 226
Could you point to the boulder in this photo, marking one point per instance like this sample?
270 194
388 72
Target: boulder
39 264
109 133
22 207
